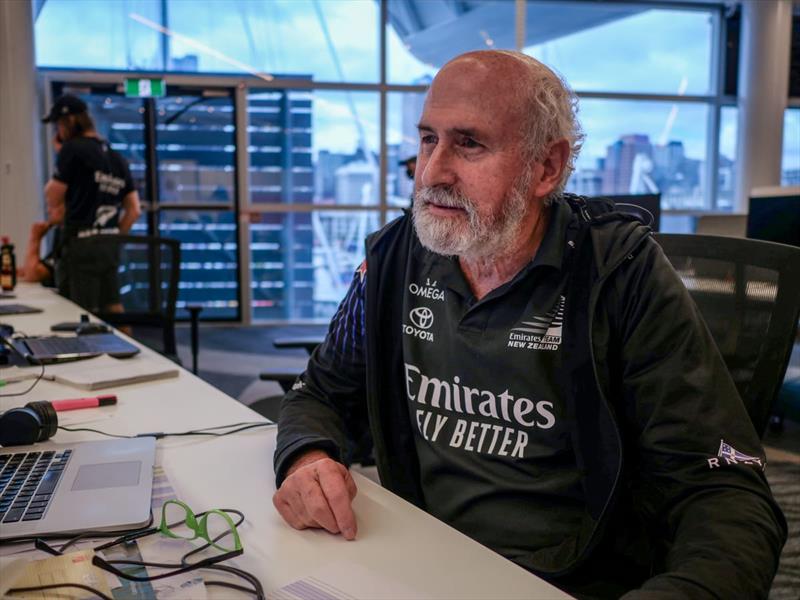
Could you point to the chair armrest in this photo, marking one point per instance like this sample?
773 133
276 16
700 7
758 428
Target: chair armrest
308 342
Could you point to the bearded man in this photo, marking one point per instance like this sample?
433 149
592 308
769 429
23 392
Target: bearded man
533 371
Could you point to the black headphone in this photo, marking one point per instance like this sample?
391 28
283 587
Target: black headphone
34 422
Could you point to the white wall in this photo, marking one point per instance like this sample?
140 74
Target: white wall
21 200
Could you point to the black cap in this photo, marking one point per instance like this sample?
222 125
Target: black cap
65 105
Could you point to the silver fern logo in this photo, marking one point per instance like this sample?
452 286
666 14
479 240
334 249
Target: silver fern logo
541 332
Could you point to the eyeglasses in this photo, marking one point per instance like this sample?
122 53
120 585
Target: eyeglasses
178 521
214 526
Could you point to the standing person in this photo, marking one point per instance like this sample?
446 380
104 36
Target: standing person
534 371
90 193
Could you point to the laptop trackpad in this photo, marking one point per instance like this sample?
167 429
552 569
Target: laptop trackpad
107 475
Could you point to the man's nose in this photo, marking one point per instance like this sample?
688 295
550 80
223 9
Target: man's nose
438 170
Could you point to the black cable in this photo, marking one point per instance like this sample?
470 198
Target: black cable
244 426
96 431
232 425
125 536
33 385
84 534
258 589
108 565
39 588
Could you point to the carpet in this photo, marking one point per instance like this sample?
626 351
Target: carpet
784 479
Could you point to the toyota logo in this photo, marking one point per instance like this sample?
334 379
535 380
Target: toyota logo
422 317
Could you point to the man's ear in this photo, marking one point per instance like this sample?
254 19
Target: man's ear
548 171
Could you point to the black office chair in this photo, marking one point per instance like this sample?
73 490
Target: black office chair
144 270
286 377
359 439
646 207
748 292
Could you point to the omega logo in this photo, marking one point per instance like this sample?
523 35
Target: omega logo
422 317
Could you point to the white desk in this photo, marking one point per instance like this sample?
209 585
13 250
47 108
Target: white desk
396 541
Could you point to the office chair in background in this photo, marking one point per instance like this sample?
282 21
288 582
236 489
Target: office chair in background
147 275
748 292
643 206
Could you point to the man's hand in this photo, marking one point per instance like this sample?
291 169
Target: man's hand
38 230
318 492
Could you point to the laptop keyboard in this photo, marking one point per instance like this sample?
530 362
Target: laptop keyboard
27 483
50 346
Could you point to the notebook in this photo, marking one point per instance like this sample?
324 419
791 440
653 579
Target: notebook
105 371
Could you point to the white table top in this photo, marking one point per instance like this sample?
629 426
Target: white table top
400 550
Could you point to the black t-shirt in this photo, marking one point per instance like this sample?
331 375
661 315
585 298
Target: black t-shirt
97 180
482 380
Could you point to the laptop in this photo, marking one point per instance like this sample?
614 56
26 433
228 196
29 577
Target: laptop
54 348
84 486
18 309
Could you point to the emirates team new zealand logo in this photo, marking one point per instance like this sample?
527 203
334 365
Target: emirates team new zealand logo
542 332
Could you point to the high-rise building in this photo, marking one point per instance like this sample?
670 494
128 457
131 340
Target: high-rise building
620 160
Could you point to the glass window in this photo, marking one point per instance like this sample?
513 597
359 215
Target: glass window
626 47
100 35
635 147
790 165
196 148
328 41
404 111
302 263
316 147
726 173
209 260
423 36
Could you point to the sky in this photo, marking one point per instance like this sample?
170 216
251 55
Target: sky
653 51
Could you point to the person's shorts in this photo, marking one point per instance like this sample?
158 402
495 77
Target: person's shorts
88 277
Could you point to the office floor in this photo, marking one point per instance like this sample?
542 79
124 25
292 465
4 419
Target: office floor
231 359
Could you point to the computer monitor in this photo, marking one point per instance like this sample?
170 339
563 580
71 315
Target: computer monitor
774 215
650 202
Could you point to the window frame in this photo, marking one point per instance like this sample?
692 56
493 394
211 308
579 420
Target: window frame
240 85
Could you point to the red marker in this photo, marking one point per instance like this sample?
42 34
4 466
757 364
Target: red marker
75 403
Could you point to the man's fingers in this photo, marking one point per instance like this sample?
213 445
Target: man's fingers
316 508
287 512
352 490
336 490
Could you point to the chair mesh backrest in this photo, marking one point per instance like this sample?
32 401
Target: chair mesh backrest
144 289
144 270
749 295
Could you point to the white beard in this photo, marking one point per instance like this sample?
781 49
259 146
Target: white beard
470 235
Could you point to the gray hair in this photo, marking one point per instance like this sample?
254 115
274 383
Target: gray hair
551 114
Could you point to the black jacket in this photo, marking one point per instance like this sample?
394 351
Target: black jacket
666 511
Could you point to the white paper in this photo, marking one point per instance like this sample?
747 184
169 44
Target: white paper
344 581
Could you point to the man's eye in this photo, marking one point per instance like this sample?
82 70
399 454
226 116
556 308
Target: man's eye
428 139
470 143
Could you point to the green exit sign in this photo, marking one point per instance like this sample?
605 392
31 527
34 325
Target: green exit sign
145 88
